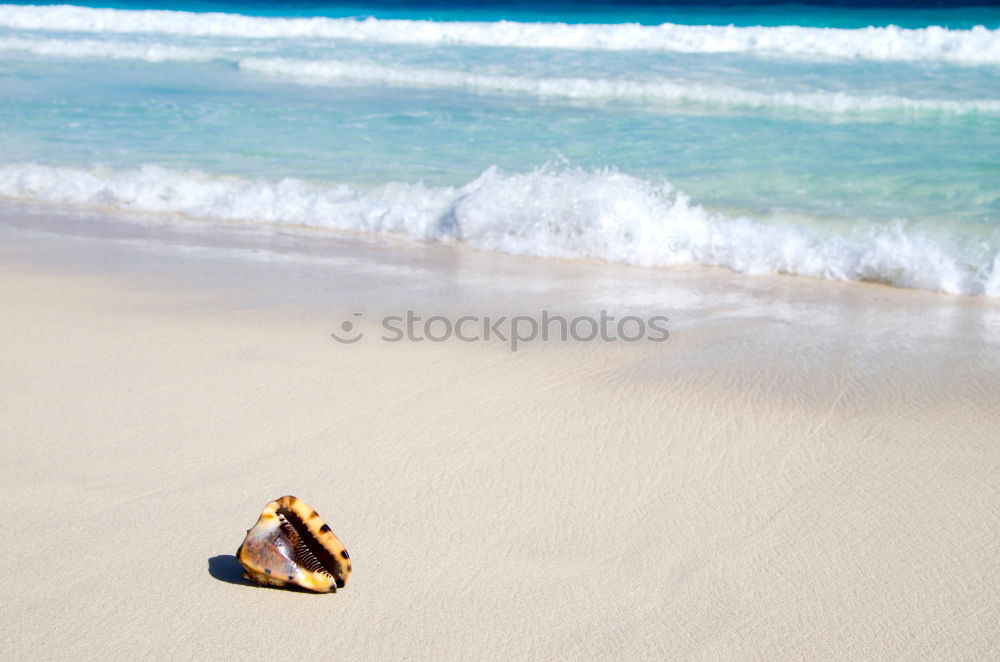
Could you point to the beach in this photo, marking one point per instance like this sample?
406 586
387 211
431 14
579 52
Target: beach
594 331
804 470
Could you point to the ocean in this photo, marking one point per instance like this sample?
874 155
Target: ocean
832 140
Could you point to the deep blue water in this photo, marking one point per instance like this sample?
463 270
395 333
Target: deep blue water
825 13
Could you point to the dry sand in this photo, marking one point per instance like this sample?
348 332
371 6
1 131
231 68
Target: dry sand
813 475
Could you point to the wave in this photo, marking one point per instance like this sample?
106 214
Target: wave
661 91
565 213
115 50
978 45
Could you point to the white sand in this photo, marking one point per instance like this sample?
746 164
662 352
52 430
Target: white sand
816 478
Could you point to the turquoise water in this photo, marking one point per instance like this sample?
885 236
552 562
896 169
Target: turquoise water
772 138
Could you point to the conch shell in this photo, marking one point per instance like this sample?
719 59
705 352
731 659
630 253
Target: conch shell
290 544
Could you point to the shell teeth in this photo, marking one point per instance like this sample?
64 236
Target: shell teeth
301 553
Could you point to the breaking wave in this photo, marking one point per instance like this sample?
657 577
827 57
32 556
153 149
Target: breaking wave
655 91
566 213
978 45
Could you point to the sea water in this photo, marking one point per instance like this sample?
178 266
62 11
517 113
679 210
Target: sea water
829 141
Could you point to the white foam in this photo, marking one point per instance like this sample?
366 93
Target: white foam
648 91
977 45
662 91
112 50
659 91
567 214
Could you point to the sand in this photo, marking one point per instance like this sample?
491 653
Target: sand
805 470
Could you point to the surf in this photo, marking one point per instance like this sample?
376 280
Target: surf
566 213
978 45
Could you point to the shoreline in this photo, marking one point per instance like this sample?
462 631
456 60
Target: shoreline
805 469
231 242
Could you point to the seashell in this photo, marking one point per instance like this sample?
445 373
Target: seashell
290 544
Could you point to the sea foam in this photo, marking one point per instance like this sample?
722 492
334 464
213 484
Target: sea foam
564 213
643 91
647 91
109 50
978 45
